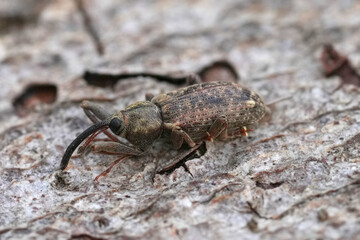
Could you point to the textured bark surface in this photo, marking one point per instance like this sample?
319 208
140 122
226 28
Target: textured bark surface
297 176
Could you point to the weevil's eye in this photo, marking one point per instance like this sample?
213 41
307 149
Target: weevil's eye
115 125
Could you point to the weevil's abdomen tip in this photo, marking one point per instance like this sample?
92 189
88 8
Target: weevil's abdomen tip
256 107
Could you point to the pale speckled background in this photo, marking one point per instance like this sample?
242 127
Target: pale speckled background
304 183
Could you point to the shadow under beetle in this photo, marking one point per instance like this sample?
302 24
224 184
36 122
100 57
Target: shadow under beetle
193 114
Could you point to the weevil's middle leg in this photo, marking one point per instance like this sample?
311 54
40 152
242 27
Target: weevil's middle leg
104 173
114 148
217 129
178 136
176 159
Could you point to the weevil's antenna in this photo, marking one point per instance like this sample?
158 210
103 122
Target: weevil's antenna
71 148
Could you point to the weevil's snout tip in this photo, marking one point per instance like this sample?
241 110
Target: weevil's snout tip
62 168
63 165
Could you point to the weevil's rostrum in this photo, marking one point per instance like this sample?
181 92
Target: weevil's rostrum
195 108
207 111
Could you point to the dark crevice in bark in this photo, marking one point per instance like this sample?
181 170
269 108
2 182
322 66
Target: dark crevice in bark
109 80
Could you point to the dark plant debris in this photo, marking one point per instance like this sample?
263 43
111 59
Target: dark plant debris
89 27
268 185
335 64
252 225
322 215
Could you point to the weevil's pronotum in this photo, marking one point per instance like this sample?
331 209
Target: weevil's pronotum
207 111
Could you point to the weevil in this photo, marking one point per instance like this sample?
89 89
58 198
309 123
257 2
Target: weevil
190 115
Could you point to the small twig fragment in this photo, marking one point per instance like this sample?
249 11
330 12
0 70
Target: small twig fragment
90 27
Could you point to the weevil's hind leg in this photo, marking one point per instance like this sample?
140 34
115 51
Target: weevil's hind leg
243 132
170 164
218 129
193 79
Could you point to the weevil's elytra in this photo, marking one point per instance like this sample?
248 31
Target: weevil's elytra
206 111
195 108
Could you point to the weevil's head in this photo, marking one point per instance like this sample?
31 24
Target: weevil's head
140 123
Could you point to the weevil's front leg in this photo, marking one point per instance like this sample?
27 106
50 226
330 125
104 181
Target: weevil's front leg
217 129
178 136
94 111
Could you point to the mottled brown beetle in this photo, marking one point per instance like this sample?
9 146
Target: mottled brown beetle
207 111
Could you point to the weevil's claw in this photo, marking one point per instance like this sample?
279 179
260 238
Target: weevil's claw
187 169
243 132
209 137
